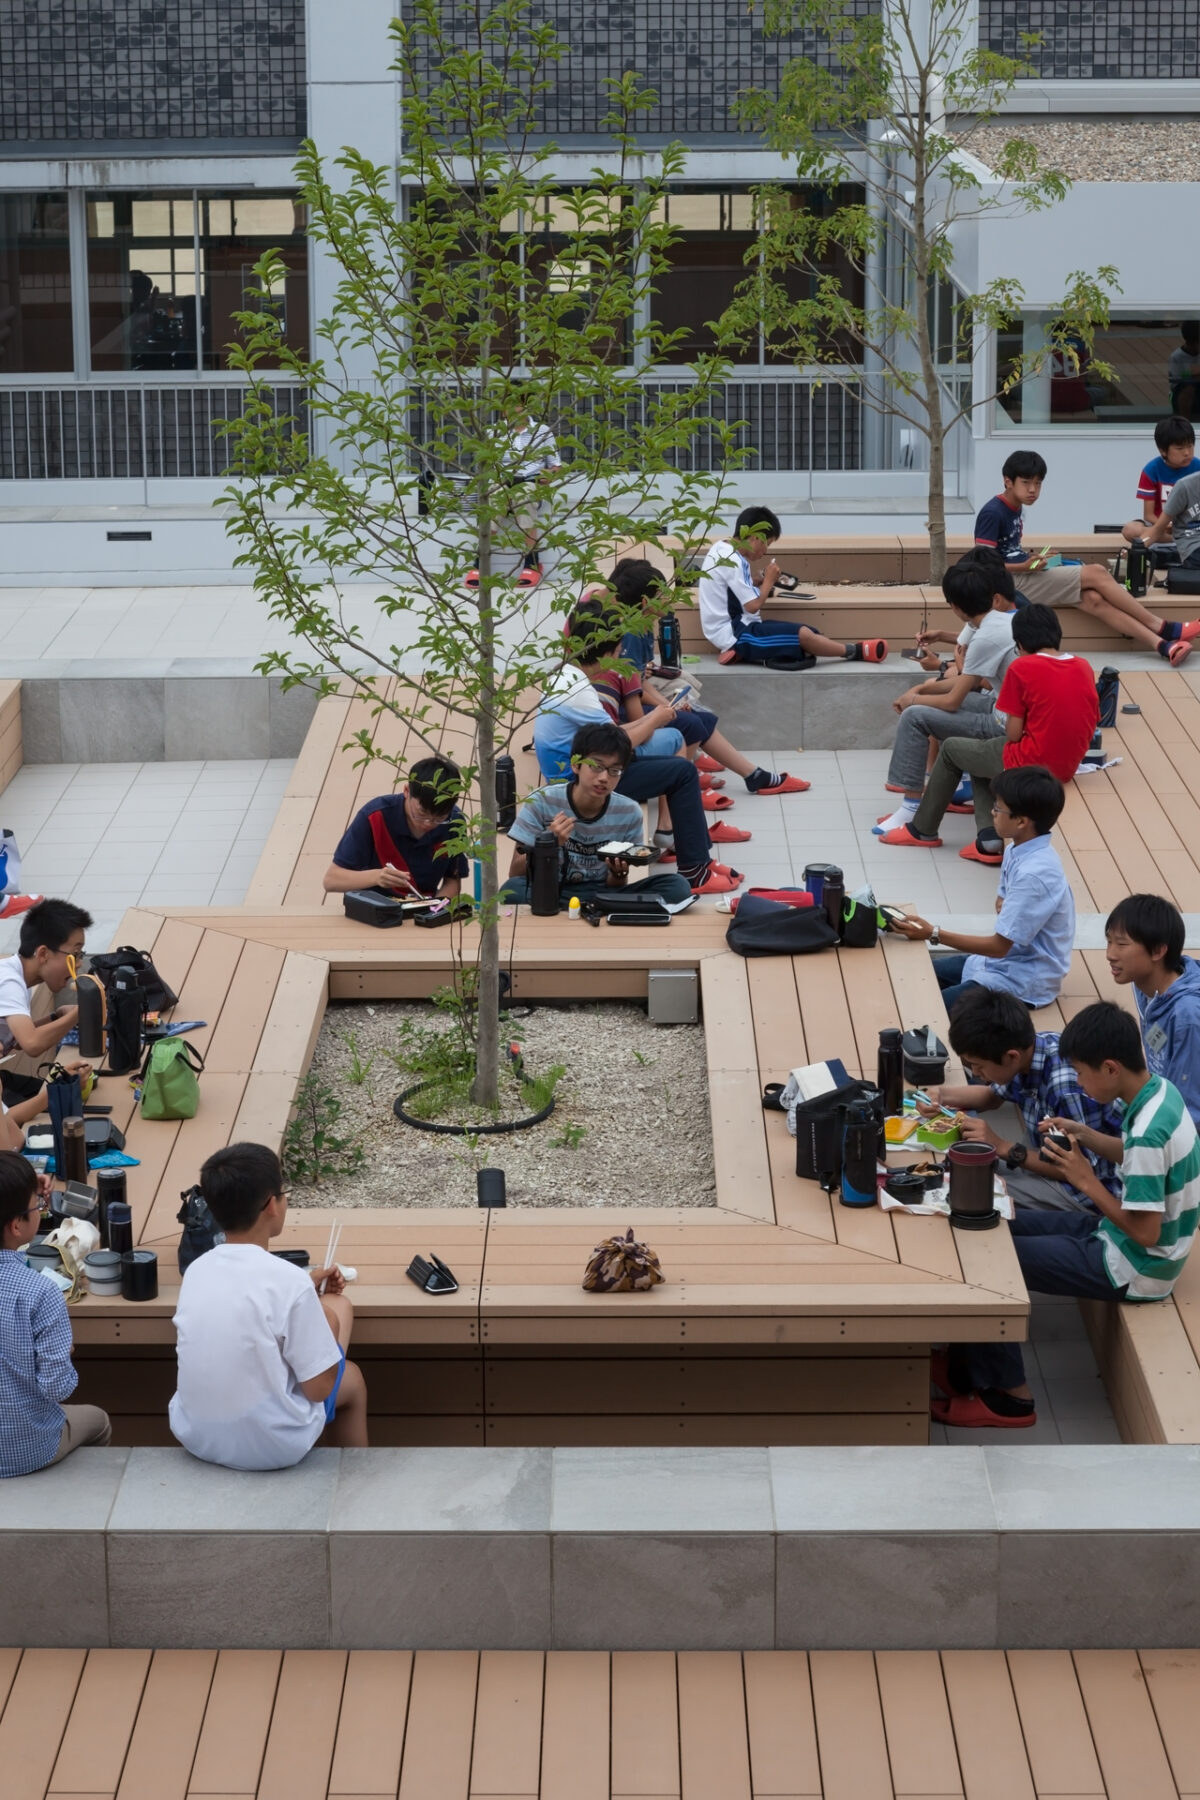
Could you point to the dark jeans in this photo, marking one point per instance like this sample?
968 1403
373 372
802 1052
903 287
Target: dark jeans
1059 1253
648 777
949 972
668 886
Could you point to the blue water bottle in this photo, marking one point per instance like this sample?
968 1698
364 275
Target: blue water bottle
860 1146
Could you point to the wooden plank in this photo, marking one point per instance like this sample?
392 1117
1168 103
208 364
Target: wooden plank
299 1752
370 1734
850 1733
806 1384
1058 1740
575 1726
292 1024
508 1724
1133 1758
9 1663
163 1745
97 1736
441 1719
987 1728
714 1748
781 1726
916 1717
35 1718
645 1761
236 1722
1173 1683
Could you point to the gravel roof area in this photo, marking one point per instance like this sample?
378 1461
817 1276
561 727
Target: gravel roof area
1097 149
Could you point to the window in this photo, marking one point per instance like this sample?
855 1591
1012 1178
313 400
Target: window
167 272
35 285
1156 371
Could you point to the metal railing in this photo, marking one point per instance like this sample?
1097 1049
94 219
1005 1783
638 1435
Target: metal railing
147 431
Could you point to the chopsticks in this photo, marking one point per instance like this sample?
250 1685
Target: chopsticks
335 1238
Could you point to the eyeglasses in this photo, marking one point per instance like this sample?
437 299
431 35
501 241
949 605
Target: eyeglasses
613 770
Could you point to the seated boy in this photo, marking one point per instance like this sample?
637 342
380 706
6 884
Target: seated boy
1180 520
998 526
585 812
961 705
730 603
1144 938
1175 440
1050 709
51 940
1134 1251
992 1034
262 1357
36 1371
1029 952
398 842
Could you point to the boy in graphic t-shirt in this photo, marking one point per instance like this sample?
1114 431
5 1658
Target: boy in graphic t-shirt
1086 585
1181 518
1175 441
1051 710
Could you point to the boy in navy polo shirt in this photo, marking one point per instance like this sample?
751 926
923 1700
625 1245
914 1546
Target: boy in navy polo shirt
1175 441
1087 585
398 842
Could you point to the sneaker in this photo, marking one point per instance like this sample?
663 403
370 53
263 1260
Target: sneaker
903 835
728 656
782 784
973 1411
725 833
964 791
11 905
903 815
974 853
708 765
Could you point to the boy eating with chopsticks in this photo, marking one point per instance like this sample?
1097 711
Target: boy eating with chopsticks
262 1344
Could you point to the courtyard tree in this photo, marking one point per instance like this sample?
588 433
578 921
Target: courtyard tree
495 299
856 272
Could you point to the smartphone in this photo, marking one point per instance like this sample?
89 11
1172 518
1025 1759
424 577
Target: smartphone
895 915
679 698
1059 1139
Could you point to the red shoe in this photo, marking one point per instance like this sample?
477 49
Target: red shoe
471 578
710 783
724 833
1177 651
11 905
1190 628
724 869
962 807
529 578
972 1411
715 802
708 765
718 880
893 787
902 835
972 853
873 650
728 656
791 784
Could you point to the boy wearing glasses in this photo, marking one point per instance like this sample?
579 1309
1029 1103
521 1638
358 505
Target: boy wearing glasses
399 841
36 1371
584 813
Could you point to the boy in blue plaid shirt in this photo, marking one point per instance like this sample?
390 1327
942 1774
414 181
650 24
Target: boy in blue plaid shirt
993 1035
36 1371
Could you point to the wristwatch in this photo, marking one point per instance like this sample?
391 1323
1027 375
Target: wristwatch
1017 1156
935 936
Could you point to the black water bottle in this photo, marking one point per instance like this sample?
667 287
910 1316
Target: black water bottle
110 1186
890 1071
669 647
1108 693
506 792
543 859
833 899
860 1151
1137 565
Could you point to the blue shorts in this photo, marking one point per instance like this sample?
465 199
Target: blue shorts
331 1402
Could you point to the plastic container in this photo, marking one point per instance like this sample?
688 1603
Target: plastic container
972 1174
300 1258
139 1275
103 1271
41 1256
925 1058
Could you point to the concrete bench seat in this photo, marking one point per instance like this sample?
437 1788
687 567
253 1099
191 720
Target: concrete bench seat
605 1549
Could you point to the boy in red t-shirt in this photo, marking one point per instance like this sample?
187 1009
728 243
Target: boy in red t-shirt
1052 709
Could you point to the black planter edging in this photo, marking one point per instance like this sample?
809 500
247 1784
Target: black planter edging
463 1130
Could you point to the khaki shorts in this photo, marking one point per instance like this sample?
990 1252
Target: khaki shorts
1049 587
82 1425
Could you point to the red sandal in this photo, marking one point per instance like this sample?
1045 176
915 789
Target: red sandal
715 802
973 1412
725 833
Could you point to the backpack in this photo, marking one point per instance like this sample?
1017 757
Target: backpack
158 995
200 1230
170 1089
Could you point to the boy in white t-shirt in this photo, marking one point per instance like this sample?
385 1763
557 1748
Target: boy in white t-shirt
262 1357
51 941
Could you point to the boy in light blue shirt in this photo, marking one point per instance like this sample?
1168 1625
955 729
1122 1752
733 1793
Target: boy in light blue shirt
1029 952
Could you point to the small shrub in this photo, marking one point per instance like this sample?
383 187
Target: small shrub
570 1138
358 1074
314 1148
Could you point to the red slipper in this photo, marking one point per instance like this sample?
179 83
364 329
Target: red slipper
726 869
529 578
902 835
728 656
791 784
972 853
725 833
1190 628
717 881
872 650
972 1411
893 787
708 765
710 783
964 807
715 802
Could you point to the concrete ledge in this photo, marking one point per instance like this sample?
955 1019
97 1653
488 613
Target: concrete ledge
1083 1547
149 713
836 706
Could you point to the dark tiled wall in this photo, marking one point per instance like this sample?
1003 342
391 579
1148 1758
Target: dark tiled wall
696 55
1101 40
95 69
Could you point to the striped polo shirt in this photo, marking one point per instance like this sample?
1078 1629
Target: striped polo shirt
1160 1172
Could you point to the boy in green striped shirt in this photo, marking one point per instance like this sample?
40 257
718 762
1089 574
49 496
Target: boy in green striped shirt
1131 1247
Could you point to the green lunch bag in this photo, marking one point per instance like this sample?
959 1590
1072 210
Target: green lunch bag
170 1089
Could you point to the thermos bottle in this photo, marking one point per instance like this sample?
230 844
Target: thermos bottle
506 792
833 898
110 1186
669 647
120 1226
889 1078
860 1149
544 859
1108 693
75 1162
972 1169
815 877
1137 578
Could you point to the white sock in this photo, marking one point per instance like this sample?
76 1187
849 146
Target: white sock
903 815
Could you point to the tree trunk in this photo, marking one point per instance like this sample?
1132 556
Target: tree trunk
932 399
485 1089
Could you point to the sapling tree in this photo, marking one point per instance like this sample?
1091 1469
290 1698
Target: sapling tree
852 270
493 299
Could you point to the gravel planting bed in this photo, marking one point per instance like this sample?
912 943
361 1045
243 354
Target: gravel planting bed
637 1093
1093 149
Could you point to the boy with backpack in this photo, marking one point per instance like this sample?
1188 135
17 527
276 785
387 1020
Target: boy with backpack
262 1344
731 602
998 527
